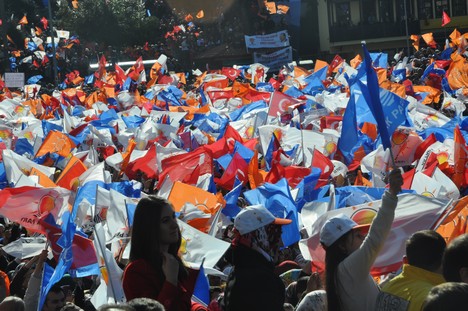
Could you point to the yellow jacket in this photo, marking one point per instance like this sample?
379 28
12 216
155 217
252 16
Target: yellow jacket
413 285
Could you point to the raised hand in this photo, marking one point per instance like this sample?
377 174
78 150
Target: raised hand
395 181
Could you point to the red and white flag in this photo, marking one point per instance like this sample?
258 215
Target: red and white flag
445 19
26 205
280 102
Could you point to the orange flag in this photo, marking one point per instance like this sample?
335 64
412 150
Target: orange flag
361 180
455 35
456 222
282 8
23 21
415 39
38 31
256 178
429 39
43 179
433 96
319 64
68 179
463 44
200 14
188 18
181 194
356 61
126 155
271 7
56 142
136 69
461 158
457 74
396 88
155 70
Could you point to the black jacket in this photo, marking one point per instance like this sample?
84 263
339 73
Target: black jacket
252 285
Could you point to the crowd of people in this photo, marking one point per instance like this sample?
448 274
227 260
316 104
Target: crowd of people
264 149
181 36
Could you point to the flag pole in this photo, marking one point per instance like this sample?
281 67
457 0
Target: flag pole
52 37
392 157
406 29
301 128
42 278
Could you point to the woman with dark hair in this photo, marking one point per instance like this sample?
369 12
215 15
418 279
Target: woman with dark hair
155 269
350 253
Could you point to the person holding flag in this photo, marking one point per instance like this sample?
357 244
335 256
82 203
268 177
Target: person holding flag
155 270
350 254
55 298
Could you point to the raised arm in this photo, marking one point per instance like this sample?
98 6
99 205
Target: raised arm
360 262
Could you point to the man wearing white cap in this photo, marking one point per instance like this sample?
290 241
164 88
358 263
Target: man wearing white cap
252 284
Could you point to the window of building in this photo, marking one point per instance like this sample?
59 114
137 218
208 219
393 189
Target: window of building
400 10
425 9
459 7
386 11
369 15
441 5
343 14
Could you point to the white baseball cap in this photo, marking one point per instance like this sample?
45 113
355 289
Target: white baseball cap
252 217
337 226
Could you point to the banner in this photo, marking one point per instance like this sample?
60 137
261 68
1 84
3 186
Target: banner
274 60
274 40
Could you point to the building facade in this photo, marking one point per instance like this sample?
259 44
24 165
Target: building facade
343 24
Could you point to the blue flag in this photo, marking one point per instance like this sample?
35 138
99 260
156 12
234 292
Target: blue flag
34 79
278 200
306 188
232 209
201 292
371 91
23 146
133 121
131 207
237 114
65 260
349 133
379 59
431 69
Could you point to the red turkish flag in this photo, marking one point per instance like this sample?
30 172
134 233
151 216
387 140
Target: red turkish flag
231 73
280 102
45 22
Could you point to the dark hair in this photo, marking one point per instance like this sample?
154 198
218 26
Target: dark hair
144 237
334 255
455 258
146 304
69 306
446 296
425 249
115 306
56 288
12 303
